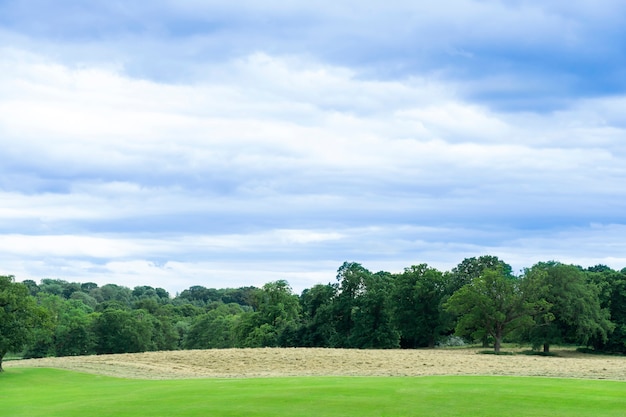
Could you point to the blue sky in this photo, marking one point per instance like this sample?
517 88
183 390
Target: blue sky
235 143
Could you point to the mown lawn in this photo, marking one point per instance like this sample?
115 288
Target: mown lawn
49 393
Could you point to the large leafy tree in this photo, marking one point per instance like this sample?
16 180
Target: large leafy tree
274 319
214 329
19 316
73 334
418 296
574 315
59 287
165 334
146 291
490 305
362 309
112 293
276 304
199 295
471 268
351 277
69 332
123 331
318 328
372 315
612 294
41 342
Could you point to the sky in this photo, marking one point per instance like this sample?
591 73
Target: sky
225 144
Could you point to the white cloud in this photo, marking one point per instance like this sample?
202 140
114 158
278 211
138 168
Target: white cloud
279 166
232 261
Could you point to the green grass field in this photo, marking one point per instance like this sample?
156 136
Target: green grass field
48 393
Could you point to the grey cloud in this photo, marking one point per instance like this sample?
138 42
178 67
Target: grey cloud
548 52
261 160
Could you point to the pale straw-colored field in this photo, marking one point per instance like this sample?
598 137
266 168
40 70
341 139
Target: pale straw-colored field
270 362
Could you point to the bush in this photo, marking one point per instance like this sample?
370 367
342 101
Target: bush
451 341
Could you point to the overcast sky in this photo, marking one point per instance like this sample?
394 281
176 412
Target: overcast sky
215 143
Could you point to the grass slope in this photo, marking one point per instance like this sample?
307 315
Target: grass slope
48 392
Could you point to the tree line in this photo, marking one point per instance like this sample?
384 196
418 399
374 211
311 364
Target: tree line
480 300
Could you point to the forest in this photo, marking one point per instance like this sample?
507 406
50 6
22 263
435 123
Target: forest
479 301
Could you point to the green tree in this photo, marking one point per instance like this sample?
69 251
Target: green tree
87 287
123 331
42 340
112 293
373 324
276 313
200 296
317 315
241 296
490 305
215 329
351 278
276 304
59 287
85 299
418 312
181 316
574 314
73 334
33 288
19 316
612 296
361 309
471 268
145 292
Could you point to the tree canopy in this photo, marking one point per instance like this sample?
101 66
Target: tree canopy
479 300
573 313
19 316
492 304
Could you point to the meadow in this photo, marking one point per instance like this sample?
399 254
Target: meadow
324 382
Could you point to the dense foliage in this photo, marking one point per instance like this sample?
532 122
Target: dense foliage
19 315
479 300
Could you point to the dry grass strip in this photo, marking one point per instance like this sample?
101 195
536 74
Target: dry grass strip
271 362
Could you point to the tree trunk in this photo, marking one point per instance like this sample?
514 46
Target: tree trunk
1 370
497 344
546 348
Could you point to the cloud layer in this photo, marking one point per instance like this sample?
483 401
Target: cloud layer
201 144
